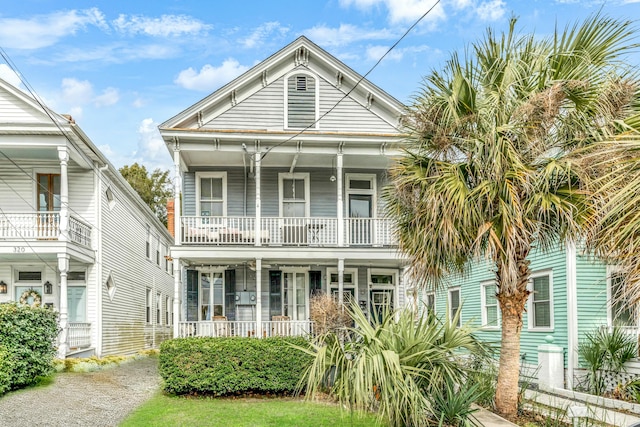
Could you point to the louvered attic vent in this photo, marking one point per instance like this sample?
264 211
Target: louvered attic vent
301 83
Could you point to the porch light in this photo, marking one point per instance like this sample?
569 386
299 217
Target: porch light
3 287
48 288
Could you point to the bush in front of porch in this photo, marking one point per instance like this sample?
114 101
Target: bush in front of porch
231 366
27 344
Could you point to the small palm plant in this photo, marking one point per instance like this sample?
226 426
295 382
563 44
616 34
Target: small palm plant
394 365
605 352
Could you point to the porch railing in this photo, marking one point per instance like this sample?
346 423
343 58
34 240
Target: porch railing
42 225
79 232
79 335
287 231
223 328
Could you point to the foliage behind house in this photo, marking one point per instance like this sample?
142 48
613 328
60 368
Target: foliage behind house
226 366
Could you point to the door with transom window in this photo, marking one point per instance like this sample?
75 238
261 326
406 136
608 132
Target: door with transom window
360 205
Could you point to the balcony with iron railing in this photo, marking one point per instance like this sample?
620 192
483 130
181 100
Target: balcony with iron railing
42 226
286 231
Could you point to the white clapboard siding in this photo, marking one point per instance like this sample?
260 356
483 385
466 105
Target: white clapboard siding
124 257
262 110
82 194
348 115
13 110
17 189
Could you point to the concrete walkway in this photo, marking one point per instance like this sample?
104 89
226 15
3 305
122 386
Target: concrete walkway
97 399
489 419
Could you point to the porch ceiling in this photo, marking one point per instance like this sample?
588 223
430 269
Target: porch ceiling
305 160
206 255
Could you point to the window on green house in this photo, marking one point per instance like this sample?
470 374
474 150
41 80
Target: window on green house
490 311
541 302
430 302
454 305
621 312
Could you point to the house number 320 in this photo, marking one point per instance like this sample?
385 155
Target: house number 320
18 249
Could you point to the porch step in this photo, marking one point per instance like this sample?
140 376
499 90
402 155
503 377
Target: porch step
80 353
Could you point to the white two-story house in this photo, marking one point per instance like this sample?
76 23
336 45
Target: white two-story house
280 174
75 237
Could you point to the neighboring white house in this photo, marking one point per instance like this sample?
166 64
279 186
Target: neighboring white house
280 174
75 235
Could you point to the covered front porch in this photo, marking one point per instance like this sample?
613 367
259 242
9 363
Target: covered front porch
261 298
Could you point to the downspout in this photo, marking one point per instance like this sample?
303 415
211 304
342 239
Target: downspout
99 255
572 312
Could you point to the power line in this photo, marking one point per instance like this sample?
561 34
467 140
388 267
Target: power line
346 95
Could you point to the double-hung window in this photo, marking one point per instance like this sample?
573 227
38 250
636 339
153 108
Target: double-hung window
621 312
454 306
430 302
294 195
211 194
541 301
490 310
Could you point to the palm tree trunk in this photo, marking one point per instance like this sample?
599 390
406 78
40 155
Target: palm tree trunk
512 304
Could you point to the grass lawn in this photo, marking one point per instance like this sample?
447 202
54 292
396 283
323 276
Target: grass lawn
277 412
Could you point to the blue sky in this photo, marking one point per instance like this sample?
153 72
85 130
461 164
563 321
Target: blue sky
121 68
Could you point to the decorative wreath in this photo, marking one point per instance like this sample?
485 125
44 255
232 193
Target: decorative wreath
31 293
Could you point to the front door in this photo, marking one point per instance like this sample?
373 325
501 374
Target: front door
381 303
296 295
211 295
77 303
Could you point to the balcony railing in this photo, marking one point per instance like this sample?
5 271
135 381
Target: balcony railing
43 226
79 335
224 328
286 231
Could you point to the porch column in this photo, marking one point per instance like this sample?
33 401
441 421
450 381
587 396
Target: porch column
63 156
341 281
259 297
340 206
177 275
177 203
63 266
258 225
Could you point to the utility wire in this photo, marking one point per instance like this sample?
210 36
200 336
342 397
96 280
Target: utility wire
346 95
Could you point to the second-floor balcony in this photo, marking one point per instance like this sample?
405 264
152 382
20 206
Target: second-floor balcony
25 226
287 231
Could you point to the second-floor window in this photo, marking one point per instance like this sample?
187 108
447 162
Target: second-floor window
212 193
294 195
48 192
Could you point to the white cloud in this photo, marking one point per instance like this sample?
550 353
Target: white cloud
402 11
75 112
374 53
491 10
117 53
46 30
164 26
210 77
262 32
10 76
346 34
138 103
77 91
149 140
109 96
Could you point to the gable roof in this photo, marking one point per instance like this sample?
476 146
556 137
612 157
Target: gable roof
301 53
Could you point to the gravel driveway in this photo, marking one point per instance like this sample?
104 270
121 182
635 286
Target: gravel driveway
102 398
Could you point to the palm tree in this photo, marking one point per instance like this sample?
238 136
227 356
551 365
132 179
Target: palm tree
614 233
489 172
395 365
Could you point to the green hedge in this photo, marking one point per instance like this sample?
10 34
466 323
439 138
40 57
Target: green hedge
226 366
27 344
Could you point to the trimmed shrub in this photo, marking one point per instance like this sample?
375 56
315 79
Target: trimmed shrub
6 368
27 336
227 366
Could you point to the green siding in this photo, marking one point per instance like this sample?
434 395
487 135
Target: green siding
591 297
471 293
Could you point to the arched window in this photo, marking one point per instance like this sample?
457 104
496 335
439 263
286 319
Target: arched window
301 101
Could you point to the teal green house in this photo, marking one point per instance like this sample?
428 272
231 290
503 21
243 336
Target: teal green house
570 296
